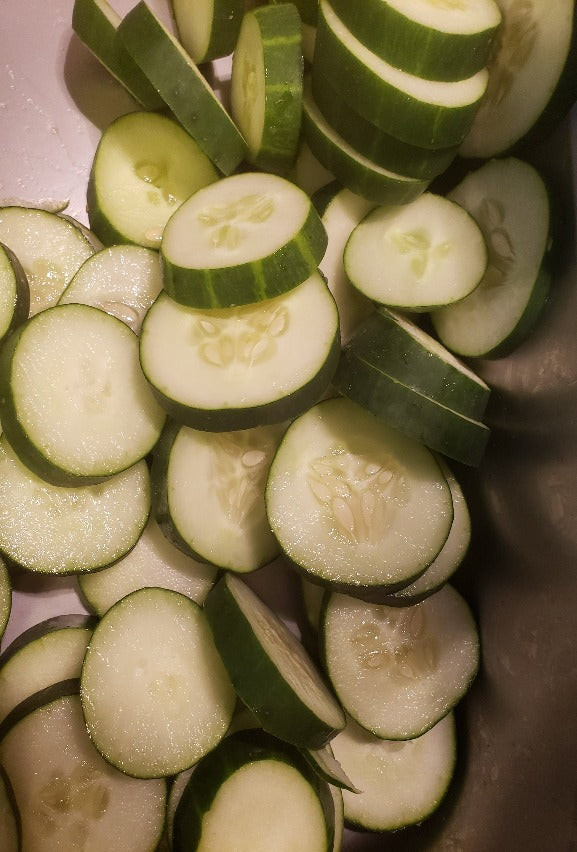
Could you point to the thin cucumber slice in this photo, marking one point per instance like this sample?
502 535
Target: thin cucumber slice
144 167
328 767
182 86
153 561
49 247
5 597
417 256
269 667
73 400
345 495
14 292
9 816
242 367
123 280
209 494
427 113
249 237
217 810
402 783
266 85
509 200
177 788
355 171
208 29
153 658
398 671
95 23
55 530
308 41
64 789
437 41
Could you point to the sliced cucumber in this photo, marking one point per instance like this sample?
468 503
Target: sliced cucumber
249 237
14 292
182 86
269 667
417 256
266 85
208 29
73 400
509 200
242 367
398 671
5 597
144 167
9 816
328 767
309 173
345 479
154 692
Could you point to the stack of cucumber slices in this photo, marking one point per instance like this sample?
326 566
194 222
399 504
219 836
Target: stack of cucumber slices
235 370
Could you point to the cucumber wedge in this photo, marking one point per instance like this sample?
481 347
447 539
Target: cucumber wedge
208 29
14 292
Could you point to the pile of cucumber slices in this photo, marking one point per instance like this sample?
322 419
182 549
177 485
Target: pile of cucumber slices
261 355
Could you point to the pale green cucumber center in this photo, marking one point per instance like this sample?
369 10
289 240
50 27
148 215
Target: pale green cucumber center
195 23
248 83
450 16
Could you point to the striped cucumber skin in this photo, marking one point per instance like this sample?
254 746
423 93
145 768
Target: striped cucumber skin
182 87
443 49
429 114
208 30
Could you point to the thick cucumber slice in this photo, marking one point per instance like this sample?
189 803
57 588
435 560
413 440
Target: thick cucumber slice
74 403
401 783
209 494
14 292
355 171
49 247
242 367
269 667
123 280
144 167
509 200
249 237
254 792
65 790
182 86
152 657
398 671
438 41
95 23
427 113
153 561
208 29
5 597
417 256
346 494
9 816
55 530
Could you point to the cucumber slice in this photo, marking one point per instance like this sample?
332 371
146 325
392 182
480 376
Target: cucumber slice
437 41
249 237
328 767
54 530
427 113
309 173
182 86
123 280
266 85
14 292
402 783
5 597
269 667
65 790
73 400
153 561
345 495
96 23
144 167
9 816
208 29
417 256
152 658
242 367
509 200
398 671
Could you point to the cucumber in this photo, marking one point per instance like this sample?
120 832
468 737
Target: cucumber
73 400
249 237
182 86
269 667
242 367
14 292
266 85
155 695
328 767
9 816
417 256
144 167
309 173
208 29
398 671
346 479
5 597
510 202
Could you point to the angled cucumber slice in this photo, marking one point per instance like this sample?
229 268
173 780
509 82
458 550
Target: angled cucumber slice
269 667
249 237
14 292
182 86
208 29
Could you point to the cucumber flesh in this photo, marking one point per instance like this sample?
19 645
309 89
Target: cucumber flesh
208 29
14 292
5 597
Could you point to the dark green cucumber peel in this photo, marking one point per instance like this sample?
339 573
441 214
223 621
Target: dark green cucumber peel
37 631
21 290
39 699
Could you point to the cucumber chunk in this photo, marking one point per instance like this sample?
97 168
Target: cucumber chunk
14 292
208 29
